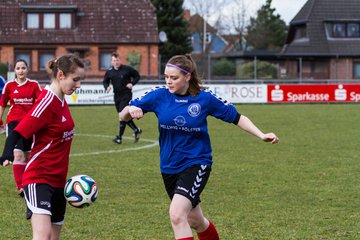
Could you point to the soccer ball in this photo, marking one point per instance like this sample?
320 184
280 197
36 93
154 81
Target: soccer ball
80 191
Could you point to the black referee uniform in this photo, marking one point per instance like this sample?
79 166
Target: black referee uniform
122 95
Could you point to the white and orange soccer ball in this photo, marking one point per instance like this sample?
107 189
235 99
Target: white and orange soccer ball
81 191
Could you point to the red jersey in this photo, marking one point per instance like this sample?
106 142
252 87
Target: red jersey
22 97
52 127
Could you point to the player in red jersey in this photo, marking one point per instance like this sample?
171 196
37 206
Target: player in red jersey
22 94
51 124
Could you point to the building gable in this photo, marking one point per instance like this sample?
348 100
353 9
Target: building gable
311 31
215 42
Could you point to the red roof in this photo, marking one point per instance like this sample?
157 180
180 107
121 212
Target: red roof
100 22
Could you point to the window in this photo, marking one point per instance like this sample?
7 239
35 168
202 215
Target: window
320 67
346 30
23 54
339 30
353 30
33 20
49 21
356 70
315 69
65 20
53 16
208 37
300 32
44 58
105 59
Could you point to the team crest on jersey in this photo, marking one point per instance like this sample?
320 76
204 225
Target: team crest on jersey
194 109
180 121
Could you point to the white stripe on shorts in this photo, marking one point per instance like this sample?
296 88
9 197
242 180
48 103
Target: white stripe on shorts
31 203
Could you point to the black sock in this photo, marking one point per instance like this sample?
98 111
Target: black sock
122 127
132 125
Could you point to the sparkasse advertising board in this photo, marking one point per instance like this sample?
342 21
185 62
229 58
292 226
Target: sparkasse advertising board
313 93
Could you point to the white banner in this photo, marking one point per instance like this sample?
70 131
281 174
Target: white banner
241 93
93 94
90 94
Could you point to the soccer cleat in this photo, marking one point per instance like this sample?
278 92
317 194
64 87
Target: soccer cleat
117 140
137 133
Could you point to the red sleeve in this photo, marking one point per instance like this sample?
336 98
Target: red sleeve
5 96
33 121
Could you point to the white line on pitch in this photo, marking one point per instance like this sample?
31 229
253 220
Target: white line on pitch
153 144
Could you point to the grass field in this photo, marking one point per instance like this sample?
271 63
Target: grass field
305 187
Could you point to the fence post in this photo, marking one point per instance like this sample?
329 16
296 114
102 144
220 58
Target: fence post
159 67
300 69
255 75
209 67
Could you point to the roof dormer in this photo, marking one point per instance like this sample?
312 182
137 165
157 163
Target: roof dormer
49 17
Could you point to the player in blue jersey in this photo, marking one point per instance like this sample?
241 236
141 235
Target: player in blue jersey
2 84
182 107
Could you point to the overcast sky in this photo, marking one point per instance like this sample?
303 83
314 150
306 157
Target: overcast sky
286 8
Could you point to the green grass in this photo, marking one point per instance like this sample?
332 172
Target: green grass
305 187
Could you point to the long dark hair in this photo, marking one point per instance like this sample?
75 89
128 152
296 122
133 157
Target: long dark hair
21 60
187 63
67 64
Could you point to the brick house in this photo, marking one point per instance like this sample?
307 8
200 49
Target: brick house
324 41
38 30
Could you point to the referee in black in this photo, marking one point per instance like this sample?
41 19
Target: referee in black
122 78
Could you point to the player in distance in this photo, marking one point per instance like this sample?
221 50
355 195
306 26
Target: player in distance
22 94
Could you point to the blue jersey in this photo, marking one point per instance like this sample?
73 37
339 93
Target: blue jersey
2 84
184 140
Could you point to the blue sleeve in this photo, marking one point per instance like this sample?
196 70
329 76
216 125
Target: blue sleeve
2 83
148 102
222 109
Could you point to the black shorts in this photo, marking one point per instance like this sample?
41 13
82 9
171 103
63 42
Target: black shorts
189 183
122 100
41 198
22 144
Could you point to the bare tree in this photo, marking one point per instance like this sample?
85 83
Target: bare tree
207 9
234 24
